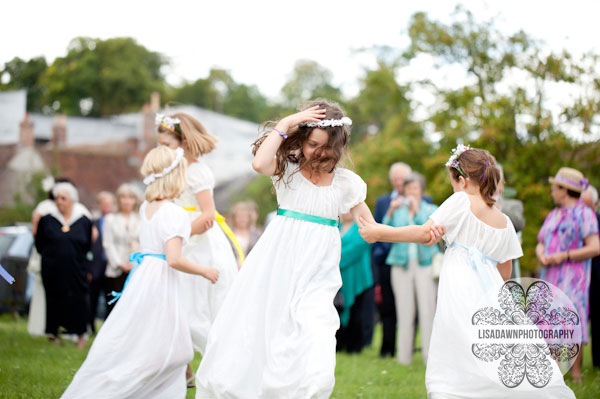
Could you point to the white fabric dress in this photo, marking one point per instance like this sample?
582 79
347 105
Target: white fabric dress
275 334
202 299
453 371
143 348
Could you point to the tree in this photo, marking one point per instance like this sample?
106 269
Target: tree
22 74
309 80
104 77
509 116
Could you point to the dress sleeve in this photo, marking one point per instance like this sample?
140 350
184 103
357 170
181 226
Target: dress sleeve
512 245
108 243
175 223
589 223
451 214
200 177
353 189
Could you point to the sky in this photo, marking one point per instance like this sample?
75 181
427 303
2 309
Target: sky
259 41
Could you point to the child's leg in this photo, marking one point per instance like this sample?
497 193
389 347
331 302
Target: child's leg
404 294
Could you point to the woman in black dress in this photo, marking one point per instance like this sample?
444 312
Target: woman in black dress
63 239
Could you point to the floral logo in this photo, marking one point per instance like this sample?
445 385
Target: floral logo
527 333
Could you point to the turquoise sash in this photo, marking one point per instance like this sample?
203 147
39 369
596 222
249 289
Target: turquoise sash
307 218
136 259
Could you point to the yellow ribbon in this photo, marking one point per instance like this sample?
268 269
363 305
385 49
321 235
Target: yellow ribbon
226 229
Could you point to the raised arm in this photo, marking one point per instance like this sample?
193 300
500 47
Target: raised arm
264 161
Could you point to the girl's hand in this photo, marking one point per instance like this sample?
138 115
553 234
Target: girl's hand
436 233
312 114
210 273
368 231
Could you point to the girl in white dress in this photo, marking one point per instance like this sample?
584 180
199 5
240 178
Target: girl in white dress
208 243
481 244
142 349
275 334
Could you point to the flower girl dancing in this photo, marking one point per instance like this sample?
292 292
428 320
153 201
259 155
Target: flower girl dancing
143 348
275 334
481 243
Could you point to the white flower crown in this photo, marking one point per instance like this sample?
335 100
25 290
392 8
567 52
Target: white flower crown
153 176
329 122
456 152
167 121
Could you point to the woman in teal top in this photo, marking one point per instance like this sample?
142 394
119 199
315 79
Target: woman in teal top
411 274
355 267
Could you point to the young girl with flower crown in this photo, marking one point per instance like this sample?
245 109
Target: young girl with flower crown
208 243
275 334
481 243
143 348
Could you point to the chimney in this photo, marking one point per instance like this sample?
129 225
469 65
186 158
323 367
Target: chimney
149 114
26 137
59 131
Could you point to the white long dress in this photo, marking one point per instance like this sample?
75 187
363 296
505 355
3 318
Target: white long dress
468 282
202 299
143 348
275 334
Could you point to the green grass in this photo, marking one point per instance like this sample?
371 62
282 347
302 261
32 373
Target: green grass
34 368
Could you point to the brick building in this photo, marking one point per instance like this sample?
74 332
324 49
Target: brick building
102 153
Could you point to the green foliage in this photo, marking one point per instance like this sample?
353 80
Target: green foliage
220 93
112 76
309 80
24 202
26 75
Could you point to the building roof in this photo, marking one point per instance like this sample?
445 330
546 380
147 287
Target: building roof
13 106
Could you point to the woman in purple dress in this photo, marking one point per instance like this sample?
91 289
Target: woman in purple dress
567 241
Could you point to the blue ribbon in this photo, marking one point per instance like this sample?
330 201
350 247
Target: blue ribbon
477 260
136 258
6 275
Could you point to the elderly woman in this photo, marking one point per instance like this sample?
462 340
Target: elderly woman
567 241
412 274
63 239
120 238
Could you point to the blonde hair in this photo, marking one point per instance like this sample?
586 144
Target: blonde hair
128 189
172 184
248 206
198 140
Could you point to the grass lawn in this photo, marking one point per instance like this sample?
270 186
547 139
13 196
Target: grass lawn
33 368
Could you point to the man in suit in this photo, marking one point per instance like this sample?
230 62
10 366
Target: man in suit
381 271
97 265
590 198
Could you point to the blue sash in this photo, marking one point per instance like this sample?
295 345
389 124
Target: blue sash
478 260
137 259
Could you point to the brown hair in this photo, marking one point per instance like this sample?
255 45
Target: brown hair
199 141
291 148
480 167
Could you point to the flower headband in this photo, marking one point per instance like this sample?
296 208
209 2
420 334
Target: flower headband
153 176
329 122
453 162
170 123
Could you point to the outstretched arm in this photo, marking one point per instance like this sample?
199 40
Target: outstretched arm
427 234
264 161
362 211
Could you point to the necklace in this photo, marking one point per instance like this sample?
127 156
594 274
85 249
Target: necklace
65 228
